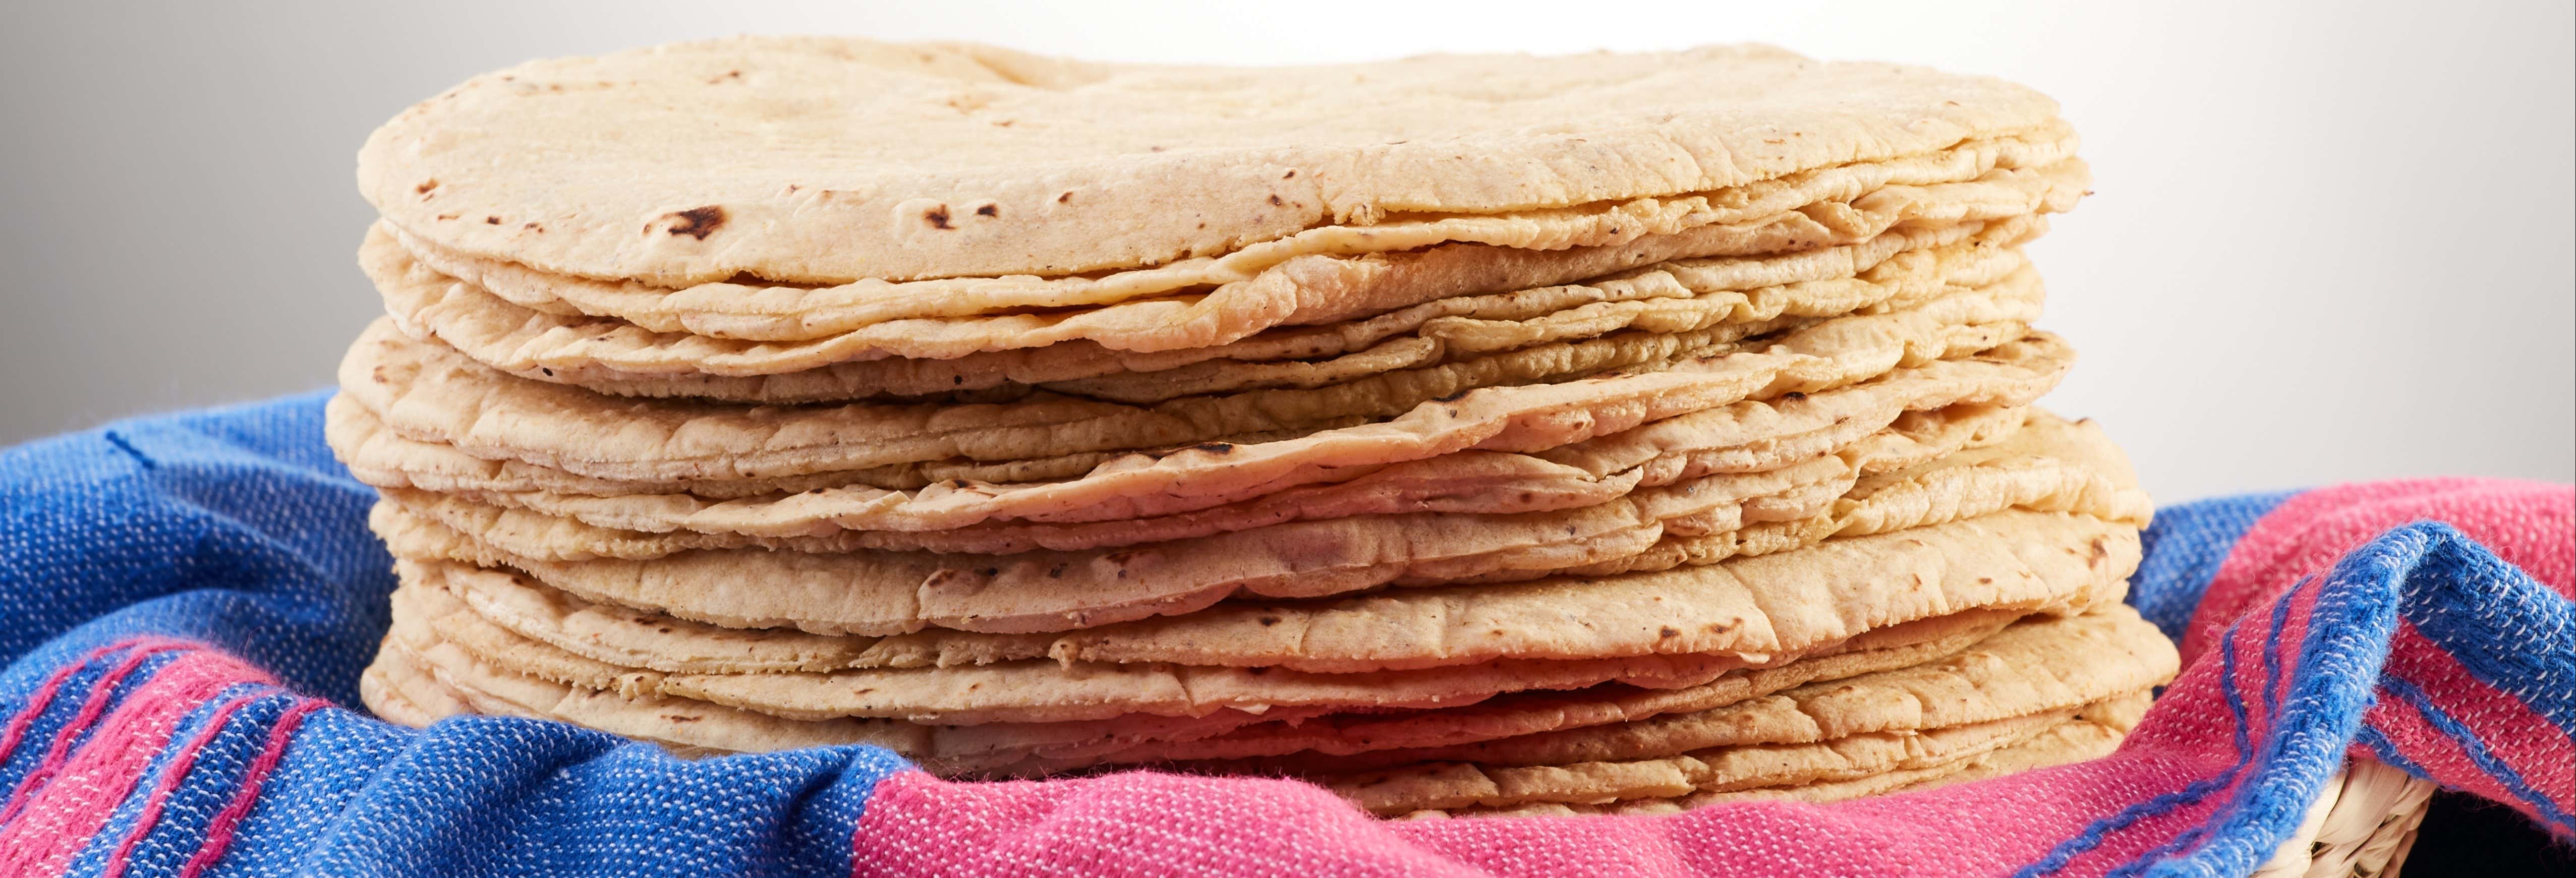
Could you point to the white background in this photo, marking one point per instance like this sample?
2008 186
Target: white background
2328 241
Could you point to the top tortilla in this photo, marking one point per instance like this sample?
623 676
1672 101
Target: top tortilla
833 159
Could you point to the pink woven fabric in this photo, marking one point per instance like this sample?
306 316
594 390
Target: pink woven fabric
181 760
2220 753
100 695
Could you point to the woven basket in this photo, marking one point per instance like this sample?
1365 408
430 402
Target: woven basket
2361 825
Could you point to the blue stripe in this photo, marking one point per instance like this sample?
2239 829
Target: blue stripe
2386 751
2272 642
2504 627
2476 748
2184 550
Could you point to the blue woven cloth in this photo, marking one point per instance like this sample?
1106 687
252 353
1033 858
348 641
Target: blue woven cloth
235 527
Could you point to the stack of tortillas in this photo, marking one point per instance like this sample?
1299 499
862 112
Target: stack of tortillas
1468 434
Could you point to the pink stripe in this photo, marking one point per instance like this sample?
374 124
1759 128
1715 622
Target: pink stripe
219 834
99 694
2435 752
43 698
67 815
2515 733
2206 729
171 775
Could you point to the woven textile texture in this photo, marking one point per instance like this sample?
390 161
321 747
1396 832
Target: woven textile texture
190 599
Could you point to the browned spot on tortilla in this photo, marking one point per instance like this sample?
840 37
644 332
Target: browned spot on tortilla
697 222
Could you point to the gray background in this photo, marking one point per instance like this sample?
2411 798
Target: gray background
2329 241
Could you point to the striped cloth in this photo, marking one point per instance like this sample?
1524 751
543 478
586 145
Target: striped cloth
190 599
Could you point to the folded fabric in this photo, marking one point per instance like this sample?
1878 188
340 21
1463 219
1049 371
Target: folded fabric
191 599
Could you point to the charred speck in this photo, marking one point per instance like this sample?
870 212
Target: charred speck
1061 199
1267 621
1215 447
425 186
1668 631
1454 397
989 210
937 217
491 220
1793 395
698 222
1275 202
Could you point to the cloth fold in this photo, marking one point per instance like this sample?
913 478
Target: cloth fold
191 598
